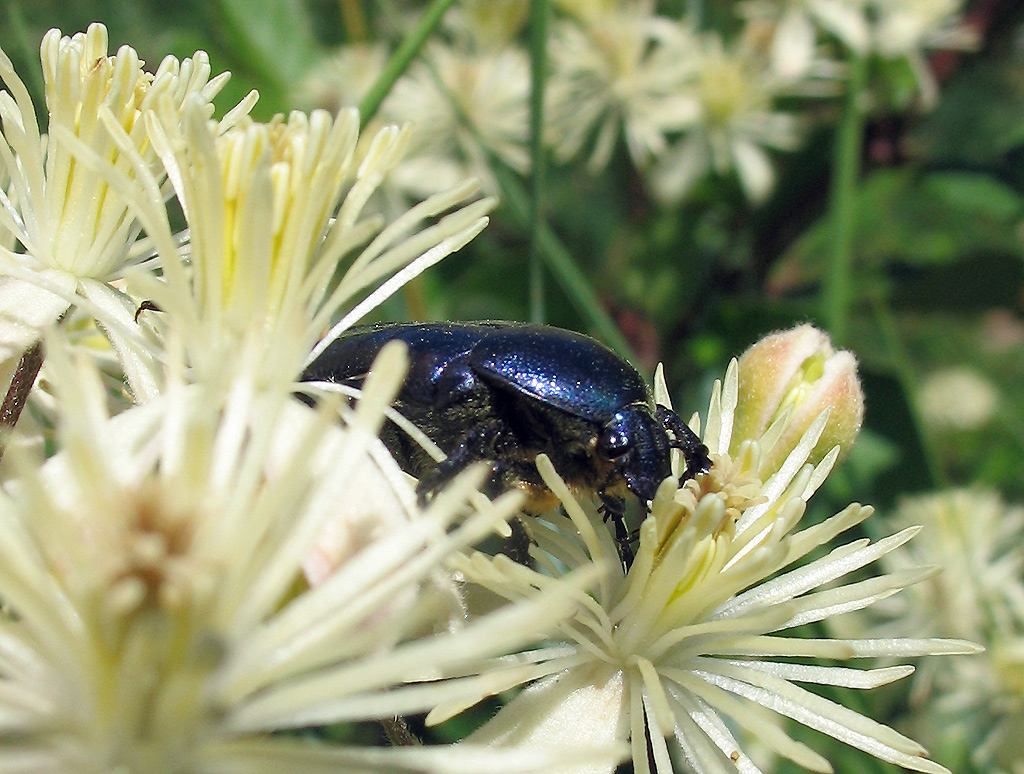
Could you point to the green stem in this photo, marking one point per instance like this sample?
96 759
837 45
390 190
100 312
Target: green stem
400 60
838 289
560 263
555 257
352 16
539 14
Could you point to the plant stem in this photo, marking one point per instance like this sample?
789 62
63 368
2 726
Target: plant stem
556 257
560 262
400 60
539 13
352 16
21 385
838 289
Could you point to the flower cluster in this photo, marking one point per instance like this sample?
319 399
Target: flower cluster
684 101
978 540
197 566
150 568
76 234
155 613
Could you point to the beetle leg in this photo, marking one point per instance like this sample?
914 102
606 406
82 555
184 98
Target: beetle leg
614 508
683 438
482 442
517 546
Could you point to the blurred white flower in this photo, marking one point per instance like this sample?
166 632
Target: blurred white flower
464 103
590 10
958 398
152 619
621 72
894 29
76 232
463 100
487 24
692 642
978 541
343 78
796 24
905 27
908 28
736 122
1001 750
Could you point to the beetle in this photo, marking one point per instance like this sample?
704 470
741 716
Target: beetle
506 392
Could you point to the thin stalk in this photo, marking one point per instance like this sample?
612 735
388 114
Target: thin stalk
556 257
21 385
560 263
539 14
354 19
401 59
838 290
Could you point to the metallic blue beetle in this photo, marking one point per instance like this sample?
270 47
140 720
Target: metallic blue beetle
506 392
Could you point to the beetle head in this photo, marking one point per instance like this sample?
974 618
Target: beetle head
639 445
636 443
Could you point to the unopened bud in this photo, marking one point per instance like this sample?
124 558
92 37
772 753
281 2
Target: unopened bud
797 371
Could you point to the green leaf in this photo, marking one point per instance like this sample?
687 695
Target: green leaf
979 118
973 195
920 219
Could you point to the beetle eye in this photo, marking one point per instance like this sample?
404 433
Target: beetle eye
612 443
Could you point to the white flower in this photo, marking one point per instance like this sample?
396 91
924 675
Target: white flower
959 398
464 104
590 10
272 209
735 123
76 232
619 72
691 643
1001 750
978 540
906 28
796 24
342 78
152 620
487 24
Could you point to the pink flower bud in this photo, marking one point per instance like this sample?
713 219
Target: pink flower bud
797 371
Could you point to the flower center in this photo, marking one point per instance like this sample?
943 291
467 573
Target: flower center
154 568
724 88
